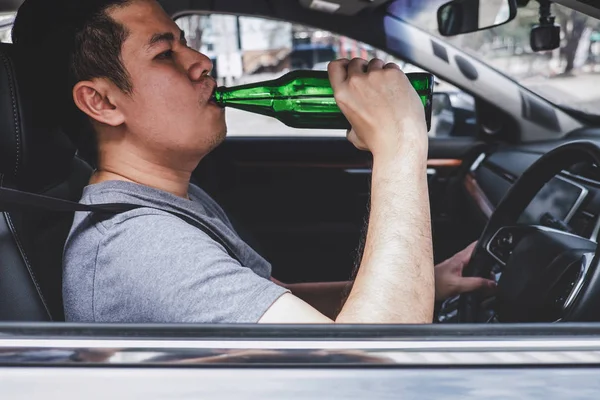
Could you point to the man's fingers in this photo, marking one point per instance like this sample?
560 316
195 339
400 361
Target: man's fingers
392 65
357 66
350 135
352 138
338 72
473 284
469 249
375 64
467 253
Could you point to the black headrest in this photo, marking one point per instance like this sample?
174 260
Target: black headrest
34 152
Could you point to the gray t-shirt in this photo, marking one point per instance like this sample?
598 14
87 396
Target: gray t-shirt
147 265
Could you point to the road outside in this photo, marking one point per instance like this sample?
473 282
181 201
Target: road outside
579 92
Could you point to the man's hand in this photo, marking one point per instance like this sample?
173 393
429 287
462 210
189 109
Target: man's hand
449 280
380 103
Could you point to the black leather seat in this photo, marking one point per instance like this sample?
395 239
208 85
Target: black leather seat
35 156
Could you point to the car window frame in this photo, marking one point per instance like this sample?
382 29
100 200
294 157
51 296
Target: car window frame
235 345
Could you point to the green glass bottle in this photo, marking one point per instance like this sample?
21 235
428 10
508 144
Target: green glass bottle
304 99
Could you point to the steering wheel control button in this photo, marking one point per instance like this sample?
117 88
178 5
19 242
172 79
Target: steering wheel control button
502 244
507 240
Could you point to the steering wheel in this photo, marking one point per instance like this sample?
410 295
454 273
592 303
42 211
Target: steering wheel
546 275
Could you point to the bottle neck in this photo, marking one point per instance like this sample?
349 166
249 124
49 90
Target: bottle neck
218 97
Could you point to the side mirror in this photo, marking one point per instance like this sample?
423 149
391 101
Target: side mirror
463 16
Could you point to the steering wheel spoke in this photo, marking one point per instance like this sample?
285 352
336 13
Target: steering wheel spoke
568 287
541 274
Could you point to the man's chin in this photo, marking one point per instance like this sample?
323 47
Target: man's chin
218 138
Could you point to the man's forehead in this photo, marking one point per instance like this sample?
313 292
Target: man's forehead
143 19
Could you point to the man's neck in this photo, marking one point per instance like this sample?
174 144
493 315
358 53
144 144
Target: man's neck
168 179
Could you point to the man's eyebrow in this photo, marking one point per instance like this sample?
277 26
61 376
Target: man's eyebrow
164 37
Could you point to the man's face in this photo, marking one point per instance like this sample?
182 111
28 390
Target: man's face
169 113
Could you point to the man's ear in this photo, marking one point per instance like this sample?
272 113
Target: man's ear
94 98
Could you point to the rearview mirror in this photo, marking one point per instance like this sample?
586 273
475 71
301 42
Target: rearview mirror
464 16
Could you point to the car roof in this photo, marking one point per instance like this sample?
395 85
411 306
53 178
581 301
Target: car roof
13 5
591 7
178 6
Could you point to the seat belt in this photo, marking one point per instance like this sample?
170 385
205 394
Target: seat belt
12 200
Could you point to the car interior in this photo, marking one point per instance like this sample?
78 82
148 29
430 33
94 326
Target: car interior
525 182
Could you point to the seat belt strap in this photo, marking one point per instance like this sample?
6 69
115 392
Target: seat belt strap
12 200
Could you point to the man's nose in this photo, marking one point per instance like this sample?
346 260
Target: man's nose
200 67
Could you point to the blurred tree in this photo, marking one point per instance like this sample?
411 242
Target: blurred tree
572 25
277 33
198 25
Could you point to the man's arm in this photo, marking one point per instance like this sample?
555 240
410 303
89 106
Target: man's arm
328 297
394 283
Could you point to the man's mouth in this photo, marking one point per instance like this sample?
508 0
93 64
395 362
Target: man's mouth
210 87
213 88
212 99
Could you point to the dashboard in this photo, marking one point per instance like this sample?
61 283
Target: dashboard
569 202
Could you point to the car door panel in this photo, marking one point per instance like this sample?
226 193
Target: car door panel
449 160
303 202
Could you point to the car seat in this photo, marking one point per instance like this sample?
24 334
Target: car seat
35 156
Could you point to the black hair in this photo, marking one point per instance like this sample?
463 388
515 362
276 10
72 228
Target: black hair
74 40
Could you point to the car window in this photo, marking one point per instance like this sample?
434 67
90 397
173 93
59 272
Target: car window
266 49
6 21
249 49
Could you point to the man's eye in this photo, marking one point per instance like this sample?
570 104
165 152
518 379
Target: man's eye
166 55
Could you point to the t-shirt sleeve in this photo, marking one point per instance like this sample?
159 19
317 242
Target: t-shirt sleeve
158 268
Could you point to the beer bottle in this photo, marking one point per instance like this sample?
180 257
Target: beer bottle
304 99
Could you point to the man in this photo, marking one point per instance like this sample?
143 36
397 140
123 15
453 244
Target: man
146 95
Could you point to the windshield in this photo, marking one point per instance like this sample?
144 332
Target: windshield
568 77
